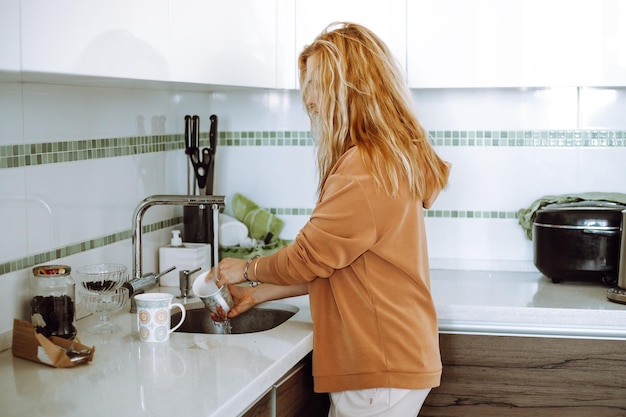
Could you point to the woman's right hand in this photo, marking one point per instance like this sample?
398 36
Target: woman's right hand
229 271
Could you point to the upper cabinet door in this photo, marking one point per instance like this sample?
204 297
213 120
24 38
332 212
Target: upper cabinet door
516 43
573 43
10 40
224 42
464 43
387 19
114 38
235 42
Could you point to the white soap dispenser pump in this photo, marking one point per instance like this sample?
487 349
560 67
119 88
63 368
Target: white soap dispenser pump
176 240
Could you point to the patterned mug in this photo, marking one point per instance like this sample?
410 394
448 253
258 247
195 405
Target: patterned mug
153 316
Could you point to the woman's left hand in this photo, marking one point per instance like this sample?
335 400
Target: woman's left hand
243 298
229 271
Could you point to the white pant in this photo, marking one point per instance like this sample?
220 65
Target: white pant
377 402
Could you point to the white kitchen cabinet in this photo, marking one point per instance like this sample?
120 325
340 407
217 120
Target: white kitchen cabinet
463 43
255 43
236 42
116 38
10 39
387 19
516 43
573 43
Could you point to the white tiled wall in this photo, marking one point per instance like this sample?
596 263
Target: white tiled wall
51 205
510 178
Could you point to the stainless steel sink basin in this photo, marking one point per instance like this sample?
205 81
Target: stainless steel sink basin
257 319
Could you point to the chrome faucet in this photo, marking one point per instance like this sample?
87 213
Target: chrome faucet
212 201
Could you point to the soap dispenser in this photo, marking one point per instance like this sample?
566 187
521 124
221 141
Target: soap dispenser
176 241
184 256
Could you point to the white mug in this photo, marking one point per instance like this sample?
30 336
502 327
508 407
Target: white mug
153 316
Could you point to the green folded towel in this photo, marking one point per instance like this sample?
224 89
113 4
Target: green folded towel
259 221
241 252
527 216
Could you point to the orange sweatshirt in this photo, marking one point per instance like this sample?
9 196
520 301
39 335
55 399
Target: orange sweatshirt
364 255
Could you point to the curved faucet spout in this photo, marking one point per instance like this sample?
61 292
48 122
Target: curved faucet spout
213 201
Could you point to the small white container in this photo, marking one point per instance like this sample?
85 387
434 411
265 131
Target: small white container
183 256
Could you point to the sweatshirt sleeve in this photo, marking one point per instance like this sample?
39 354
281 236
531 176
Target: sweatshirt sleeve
340 229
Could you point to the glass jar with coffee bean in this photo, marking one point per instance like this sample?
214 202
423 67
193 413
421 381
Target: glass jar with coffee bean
52 301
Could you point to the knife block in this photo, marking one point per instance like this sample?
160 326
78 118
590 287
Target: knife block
198 225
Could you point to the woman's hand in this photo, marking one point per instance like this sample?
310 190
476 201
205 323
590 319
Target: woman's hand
229 271
243 298
246 297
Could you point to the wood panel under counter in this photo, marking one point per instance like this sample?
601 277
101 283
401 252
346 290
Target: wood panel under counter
292 396
504 376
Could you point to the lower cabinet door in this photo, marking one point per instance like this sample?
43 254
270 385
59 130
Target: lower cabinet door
294 391
292 396
263 407
295 396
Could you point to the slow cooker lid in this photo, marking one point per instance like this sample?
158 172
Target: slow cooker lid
581 213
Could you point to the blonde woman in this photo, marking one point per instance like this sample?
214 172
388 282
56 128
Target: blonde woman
362 256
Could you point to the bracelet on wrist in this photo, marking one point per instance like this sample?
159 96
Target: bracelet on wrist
245 272
256 276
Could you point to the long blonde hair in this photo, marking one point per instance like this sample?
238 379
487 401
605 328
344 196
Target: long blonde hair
362 100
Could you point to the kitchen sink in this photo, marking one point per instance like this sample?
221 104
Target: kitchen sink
257 319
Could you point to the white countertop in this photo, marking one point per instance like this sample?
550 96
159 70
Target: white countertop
216 375
524 303
191 375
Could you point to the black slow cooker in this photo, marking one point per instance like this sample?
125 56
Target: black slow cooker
579 240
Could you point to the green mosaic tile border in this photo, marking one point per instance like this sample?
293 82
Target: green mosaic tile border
450 214
530 138
51 255
265 138
470 214
15 156
281 211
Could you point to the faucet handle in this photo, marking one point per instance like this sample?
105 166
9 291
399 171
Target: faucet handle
184 282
